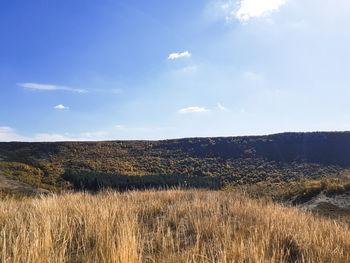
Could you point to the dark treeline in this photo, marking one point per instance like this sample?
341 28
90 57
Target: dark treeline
96 182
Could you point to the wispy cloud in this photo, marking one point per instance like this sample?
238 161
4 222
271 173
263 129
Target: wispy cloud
221 107
8 134
253 76
52 137
244 10
85 136
189 69
61 107
173 56
194 109
108 91
116 91
50 87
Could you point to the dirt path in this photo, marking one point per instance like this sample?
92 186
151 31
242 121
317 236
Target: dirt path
337 207
17 186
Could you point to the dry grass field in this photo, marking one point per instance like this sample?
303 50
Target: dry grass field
165 226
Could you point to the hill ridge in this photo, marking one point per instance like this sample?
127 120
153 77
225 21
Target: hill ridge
273 158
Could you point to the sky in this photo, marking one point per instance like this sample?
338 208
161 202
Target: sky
137 69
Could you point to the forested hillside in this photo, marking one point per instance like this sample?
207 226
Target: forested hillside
207 162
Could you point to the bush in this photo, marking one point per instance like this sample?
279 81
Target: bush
334 188
347 187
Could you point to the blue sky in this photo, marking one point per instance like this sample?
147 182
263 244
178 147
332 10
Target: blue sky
108 69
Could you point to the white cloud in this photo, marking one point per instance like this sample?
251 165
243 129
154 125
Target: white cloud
37 86
61 107
173 56
257 8
194 109
243 10
221 107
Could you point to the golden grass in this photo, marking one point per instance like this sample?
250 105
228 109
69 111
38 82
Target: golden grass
165 226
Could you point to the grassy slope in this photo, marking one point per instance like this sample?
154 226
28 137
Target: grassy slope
166 226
